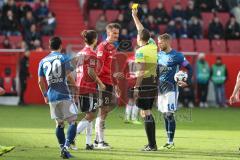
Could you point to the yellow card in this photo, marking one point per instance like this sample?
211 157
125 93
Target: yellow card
135 6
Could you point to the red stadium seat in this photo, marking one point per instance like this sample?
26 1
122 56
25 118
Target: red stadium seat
174 44
15 39
223 17
111 15
45 41
162 28
186 45
207 18
93 17
202 45
218 46
233 46
153 4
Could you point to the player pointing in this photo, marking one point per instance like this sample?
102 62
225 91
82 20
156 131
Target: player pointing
56 69
169 63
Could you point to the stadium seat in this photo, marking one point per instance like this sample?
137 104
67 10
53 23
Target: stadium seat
153 4
15 39
45 41
207 18
218 46
233 46
93 17
202 45
111 15
224 17
186 45
175 44
162 28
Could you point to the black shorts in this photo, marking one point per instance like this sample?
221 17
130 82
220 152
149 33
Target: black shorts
107 97
88 102
147 93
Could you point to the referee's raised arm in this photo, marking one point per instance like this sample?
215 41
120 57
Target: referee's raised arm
136 20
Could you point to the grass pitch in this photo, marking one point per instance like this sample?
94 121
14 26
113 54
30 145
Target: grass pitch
204 134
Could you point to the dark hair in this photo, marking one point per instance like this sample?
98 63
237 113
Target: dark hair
55 43
89 36
165 36
144 35
219 58
110 26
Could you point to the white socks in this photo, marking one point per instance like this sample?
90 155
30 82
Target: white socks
82 125
99 129
89 134
135 113
128 111
131 112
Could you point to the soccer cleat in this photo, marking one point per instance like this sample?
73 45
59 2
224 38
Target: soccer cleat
89 147
65 154
149 148
95 144
73 146
127 121
167 146
103 145
136 122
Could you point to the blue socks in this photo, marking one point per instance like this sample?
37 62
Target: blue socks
60 135
71 133
170 125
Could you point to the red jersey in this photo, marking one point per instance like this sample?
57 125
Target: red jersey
130 75
106 53
86 58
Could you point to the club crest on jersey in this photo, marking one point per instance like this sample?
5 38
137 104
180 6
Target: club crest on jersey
99 53
92 62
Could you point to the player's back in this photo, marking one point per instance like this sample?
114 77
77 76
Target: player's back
53 67
168 65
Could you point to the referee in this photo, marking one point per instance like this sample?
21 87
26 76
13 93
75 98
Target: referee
145 88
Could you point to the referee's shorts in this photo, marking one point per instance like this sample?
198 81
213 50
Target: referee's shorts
147 93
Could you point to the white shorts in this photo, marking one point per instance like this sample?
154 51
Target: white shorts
63 109
167 102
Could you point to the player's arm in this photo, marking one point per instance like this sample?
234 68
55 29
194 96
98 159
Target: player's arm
41 84
189 69
234 97
136 20
91 72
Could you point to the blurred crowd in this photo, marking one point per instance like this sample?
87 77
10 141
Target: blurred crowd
30 19
180 22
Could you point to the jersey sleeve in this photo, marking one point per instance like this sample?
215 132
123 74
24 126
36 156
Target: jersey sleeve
182 61
67 63
101 55
40 70
139 57
151 41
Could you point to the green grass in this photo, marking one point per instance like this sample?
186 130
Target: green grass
204 134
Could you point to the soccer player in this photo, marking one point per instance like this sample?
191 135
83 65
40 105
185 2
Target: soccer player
108 74
145 88
169 62
235 95
87 81
56 69
132 110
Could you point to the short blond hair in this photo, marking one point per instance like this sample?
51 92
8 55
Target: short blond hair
165 36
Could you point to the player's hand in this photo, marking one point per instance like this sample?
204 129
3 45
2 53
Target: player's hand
117 91
134 12
136 93
118 75
182 84
102 87
46 100
233 99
